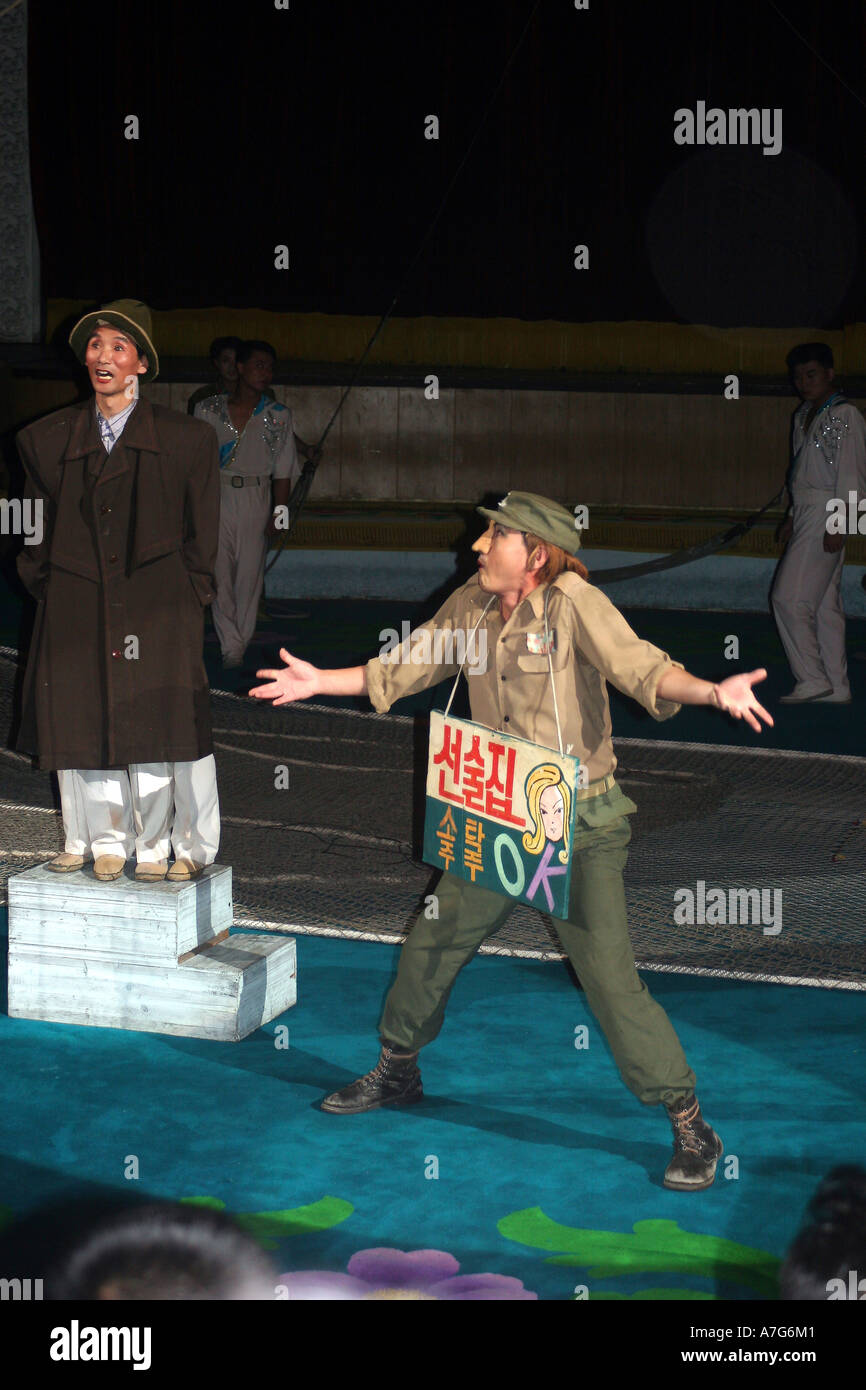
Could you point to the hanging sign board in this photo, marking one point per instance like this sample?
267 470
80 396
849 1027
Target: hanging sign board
500 812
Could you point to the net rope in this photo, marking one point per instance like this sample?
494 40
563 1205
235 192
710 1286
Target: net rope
337 852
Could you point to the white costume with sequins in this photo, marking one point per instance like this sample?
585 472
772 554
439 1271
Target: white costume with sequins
829 461
264 450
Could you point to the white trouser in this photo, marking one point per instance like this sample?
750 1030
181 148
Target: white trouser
240 565
807 601
147 810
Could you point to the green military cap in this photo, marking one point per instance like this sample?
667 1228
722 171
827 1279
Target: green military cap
526 511
131 317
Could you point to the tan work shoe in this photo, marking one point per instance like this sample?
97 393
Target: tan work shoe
66 863
108 867
184 871
151 871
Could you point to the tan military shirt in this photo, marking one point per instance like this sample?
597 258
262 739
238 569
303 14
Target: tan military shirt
591 644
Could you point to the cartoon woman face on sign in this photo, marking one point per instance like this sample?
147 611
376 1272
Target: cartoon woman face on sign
548 800
552 808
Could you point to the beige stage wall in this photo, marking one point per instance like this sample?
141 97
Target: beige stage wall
687 452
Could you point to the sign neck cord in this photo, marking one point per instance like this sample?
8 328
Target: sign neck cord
547 644
491 600
549 663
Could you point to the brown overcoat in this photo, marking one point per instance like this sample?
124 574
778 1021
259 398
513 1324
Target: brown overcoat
122 576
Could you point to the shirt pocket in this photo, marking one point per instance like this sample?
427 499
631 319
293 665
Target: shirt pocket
534 663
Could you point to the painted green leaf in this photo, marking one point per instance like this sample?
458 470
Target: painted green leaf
653 1295
654 1246
269 1227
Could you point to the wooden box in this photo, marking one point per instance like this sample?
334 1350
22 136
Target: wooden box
143 922
153 957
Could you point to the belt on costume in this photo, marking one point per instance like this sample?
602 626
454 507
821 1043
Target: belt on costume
244 479
604 784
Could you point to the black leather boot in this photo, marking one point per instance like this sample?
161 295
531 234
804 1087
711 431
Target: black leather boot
697 1147
396 1080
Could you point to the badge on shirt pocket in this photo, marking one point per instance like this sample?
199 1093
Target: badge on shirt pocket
540 643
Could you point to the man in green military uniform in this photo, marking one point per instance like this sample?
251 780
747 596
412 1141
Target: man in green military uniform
583 641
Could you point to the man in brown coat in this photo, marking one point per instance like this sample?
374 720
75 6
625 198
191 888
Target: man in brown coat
116 697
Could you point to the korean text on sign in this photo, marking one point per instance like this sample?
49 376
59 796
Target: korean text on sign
477 780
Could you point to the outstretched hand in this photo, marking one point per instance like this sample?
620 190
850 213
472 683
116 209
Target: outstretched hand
297 680
736 697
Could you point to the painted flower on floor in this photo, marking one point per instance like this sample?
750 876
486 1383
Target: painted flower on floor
429 1275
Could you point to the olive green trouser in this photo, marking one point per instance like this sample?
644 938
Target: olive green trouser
595 936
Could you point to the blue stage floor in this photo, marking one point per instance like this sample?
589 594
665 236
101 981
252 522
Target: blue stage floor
542 1154
541 1151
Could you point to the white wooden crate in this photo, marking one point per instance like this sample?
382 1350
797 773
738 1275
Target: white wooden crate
153 957
154 923
223 992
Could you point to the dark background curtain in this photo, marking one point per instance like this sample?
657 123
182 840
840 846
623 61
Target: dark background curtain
305 127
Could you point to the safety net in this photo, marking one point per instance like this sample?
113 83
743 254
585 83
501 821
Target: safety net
322 814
